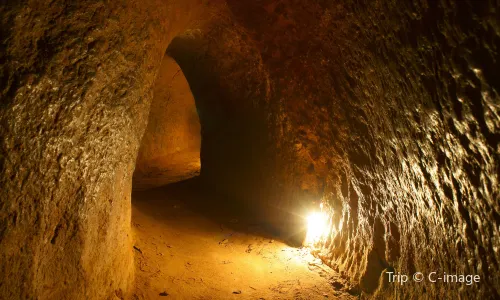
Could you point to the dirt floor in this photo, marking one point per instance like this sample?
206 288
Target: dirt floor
188 249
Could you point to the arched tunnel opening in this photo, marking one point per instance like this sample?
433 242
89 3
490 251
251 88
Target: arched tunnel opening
170 148
237 149
189 198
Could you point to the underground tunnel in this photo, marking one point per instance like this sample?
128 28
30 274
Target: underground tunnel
234 149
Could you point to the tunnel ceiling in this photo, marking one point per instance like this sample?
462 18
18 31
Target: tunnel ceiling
387 112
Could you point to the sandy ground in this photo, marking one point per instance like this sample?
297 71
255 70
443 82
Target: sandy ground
185 250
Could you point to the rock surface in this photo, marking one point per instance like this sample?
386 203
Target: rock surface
170 148
386 111
75 88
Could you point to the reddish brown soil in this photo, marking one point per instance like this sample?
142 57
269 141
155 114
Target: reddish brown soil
188 253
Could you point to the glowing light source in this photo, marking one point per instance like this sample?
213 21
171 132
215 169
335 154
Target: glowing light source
317 225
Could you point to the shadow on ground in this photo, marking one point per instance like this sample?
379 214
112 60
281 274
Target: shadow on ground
192 245
192 195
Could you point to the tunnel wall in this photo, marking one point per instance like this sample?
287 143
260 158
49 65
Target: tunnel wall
170 147
390 112
387 111
75 90
75 93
